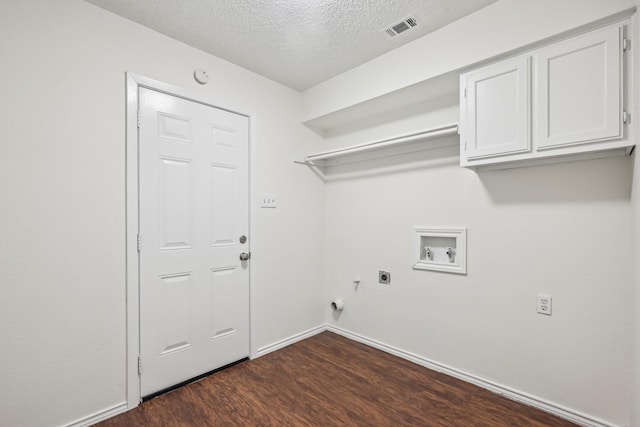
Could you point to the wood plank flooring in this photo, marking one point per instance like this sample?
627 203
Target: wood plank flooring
328 380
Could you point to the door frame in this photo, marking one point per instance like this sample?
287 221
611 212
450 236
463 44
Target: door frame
133 83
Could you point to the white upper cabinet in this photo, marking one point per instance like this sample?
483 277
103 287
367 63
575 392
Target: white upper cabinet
564 99
578 90
497 114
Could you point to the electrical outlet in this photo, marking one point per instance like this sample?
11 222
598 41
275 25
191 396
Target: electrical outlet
384 277
544 304
268 201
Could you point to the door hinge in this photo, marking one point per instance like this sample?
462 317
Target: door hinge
626 117
626 44
139 242
465 93
138 119
139 365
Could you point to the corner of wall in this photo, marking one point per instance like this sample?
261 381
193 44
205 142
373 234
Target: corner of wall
635 238
635 330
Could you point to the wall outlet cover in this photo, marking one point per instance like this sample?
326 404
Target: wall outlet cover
543 304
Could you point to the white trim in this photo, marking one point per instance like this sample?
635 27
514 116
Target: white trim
456 265
291 340
253 195
133 312
133 83
502 390
99 416
505 391
189 95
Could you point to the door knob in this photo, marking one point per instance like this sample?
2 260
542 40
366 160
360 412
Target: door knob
245 256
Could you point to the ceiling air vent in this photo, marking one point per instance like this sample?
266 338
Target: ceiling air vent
401 27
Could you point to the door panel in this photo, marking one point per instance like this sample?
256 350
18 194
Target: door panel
222 296
176 205
579 90
176 302
222 194
497 110
194 290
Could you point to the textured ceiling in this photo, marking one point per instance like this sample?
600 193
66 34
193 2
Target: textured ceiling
299 43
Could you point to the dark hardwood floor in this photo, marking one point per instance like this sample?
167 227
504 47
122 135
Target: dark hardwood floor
328 380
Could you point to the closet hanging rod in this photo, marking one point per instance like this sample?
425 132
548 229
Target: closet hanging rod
432 133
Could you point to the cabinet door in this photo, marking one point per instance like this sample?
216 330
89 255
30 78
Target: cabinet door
578 90
496 109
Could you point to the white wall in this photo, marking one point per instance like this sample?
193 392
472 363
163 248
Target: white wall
635 236
62 202
494 30
62 223
560 229
635 340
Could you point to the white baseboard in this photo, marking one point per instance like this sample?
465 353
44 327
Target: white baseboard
99 416
510 393
122 407
288 341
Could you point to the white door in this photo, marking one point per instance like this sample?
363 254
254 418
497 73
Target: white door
578 96
194 289
496 109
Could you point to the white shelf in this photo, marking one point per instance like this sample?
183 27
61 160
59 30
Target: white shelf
431 90
423 140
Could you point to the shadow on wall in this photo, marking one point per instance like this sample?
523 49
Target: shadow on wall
578 181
